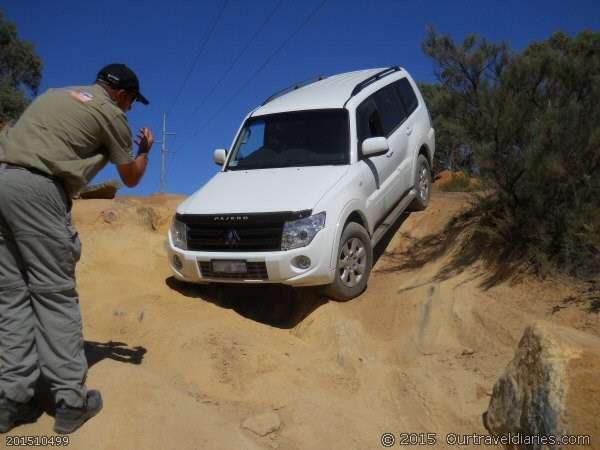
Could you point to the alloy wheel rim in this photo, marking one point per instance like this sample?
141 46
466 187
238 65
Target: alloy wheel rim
352 262
424 183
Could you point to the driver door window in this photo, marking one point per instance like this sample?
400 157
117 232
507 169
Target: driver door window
368 122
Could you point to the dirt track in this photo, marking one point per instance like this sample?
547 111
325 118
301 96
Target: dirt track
183 366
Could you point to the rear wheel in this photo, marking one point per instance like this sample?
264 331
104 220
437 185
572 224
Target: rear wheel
422 185
354 262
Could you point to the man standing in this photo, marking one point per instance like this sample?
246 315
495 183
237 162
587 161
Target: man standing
62 140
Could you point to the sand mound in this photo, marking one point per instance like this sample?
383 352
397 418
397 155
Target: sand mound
185 366
448 180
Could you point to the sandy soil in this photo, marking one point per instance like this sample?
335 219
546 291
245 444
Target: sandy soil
183 366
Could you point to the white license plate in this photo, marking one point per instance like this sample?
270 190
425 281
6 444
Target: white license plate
229 266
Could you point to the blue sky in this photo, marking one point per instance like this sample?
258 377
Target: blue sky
160 41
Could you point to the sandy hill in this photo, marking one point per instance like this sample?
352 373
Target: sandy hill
183 367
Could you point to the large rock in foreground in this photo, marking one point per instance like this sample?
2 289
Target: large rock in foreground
551 387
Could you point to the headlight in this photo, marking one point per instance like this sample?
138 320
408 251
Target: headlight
300 233
179 234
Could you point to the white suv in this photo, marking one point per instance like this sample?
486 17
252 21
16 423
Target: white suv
314 178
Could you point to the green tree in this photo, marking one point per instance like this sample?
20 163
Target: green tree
532 120
20 72
450 152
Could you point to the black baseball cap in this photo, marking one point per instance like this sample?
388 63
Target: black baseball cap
119 76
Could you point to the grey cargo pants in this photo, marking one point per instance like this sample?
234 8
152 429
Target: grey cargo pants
40 319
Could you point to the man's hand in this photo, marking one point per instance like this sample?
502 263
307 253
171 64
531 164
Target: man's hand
144 140
132 173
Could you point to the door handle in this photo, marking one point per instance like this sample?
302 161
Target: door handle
408 131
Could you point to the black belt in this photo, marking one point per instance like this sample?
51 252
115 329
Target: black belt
30 169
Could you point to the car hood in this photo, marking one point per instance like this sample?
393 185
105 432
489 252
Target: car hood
263 190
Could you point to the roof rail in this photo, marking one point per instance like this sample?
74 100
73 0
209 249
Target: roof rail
293 88
372 79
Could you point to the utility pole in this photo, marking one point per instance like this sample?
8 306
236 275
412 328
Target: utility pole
163 154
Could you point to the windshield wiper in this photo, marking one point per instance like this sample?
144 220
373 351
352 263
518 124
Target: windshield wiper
254 166
326 162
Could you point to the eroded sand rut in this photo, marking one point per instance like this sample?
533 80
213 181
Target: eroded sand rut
183 366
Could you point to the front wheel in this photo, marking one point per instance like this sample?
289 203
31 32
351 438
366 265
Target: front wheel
354 262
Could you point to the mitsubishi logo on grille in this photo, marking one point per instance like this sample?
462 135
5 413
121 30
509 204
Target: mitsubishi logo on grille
232 238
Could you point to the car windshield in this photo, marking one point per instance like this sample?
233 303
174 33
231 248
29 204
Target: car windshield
302 138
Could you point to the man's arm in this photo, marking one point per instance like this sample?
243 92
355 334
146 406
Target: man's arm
132 173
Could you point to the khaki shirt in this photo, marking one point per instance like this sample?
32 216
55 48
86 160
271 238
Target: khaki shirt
70 134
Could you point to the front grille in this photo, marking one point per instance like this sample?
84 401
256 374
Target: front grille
237 233
255 271
234 238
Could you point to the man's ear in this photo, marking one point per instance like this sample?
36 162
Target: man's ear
121 94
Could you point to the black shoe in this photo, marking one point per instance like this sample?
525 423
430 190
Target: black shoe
68 419
14 413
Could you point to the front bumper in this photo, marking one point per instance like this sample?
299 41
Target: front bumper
278 263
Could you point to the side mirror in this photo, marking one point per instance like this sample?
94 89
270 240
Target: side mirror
374 146
219 156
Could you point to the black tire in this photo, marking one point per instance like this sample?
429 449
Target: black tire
422 185
353 285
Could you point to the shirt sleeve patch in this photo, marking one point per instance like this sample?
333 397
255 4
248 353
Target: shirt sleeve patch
83 97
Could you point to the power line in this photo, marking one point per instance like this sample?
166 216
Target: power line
261 67
207 37
258 31
237 57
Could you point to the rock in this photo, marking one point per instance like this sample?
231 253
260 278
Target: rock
467 351
448 180
149 217
106 190
551 387
110 216
263 424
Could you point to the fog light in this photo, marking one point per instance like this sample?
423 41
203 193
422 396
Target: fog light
302 262
177 262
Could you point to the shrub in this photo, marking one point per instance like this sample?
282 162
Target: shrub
532 121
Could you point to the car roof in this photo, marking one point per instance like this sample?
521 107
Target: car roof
331 92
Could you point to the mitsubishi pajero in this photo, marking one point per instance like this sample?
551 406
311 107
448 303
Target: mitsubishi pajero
314 178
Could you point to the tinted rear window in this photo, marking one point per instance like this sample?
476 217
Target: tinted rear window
390 108
407 94
380 114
